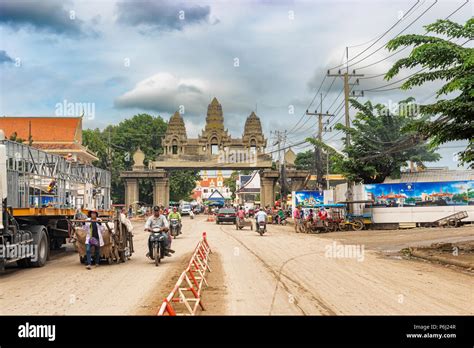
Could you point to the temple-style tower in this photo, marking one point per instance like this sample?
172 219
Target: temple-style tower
175 137
214 137
253 135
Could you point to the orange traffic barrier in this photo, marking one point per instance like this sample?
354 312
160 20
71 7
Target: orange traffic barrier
187 290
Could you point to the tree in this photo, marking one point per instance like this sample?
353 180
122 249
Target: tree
380 144
230 182
182 183
441 59
305 160
116 144
14 137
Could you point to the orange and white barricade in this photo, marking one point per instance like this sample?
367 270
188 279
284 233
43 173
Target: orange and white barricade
187 290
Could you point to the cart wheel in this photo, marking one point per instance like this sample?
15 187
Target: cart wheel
453 223
357 225
123 258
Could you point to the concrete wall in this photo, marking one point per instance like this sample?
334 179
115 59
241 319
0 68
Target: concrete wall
419 214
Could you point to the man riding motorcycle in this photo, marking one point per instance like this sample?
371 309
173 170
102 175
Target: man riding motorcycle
175 215
260 216
158 221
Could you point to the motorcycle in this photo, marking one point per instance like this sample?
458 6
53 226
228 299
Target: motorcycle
279 220
262 228
158 247
175 228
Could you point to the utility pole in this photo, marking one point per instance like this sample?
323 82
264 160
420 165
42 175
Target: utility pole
280 138
346 76
317 149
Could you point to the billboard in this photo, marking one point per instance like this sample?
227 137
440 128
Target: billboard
308 198
448 193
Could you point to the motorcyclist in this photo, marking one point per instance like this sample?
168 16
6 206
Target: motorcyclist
175 215
157 220
280 216
260 216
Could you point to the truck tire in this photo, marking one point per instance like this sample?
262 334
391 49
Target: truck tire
42 249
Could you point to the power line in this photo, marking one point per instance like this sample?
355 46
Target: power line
404 48
379 38
311 103
398 34
379 88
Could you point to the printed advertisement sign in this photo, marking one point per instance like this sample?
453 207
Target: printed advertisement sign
421 194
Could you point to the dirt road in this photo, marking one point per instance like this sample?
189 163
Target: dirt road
278 273
64 286
287 273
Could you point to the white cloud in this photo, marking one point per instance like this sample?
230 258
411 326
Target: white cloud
165 92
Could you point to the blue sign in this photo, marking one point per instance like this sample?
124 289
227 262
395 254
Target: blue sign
421 194
308 198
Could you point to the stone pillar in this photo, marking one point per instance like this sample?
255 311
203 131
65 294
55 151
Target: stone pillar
167 191
131 191
267 192
159 191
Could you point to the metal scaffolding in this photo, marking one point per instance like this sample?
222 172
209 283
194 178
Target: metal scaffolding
37 178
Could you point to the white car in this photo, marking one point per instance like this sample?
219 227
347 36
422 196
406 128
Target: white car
185 209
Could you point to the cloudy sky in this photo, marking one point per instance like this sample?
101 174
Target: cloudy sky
126 57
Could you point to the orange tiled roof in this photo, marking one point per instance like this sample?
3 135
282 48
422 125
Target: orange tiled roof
55 146
44 129
209 182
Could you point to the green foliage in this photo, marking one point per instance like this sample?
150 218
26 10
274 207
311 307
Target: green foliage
14 137
182 182
230 182
441 59
470 193
460 197
116 144
305 160
380 144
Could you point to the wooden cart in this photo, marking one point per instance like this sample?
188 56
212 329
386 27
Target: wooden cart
241 223
453 220
118 241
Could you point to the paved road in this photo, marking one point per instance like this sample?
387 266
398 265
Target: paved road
278 273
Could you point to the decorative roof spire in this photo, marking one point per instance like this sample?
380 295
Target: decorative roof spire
215 118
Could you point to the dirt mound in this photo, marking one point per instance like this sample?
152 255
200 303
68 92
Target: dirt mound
458 254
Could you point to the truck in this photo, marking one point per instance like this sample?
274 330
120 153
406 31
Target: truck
39 193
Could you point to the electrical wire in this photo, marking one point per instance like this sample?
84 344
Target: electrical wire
404 48
380 37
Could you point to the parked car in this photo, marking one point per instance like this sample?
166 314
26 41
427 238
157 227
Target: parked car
226 215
